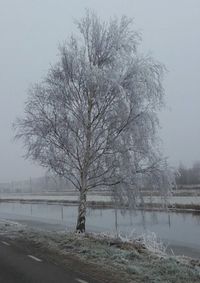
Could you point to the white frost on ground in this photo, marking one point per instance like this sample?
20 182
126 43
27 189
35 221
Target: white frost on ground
98 198
53 197
141 258
10 228
153 243
148 239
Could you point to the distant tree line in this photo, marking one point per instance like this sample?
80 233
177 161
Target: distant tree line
47 183
188 176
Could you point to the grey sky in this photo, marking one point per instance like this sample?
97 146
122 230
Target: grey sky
30 31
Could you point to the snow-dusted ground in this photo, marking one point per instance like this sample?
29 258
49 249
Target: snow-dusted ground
175 199
52 197
125 259
97 198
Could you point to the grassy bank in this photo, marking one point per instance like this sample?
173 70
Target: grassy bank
106 258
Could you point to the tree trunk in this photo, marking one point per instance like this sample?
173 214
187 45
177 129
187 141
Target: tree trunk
80 227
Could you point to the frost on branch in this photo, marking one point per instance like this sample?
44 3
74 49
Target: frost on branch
93 119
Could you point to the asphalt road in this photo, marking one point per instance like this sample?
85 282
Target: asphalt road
18 267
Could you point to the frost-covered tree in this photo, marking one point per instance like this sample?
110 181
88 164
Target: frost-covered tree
93 118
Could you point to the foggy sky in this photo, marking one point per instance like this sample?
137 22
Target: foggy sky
31 30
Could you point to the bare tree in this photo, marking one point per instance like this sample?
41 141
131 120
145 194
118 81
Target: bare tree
93 118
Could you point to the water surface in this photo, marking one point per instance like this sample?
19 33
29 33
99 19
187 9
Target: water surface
180 230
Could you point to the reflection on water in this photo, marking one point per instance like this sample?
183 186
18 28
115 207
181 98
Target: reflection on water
182 228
